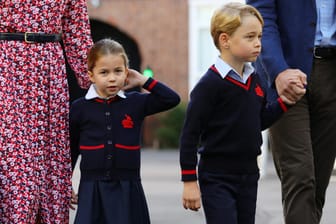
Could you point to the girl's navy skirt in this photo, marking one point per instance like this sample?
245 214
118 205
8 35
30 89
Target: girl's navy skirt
111 202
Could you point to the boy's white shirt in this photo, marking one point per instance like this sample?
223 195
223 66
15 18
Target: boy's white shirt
92 93
225 69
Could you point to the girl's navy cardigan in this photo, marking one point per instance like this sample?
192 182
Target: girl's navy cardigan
223 123
107 133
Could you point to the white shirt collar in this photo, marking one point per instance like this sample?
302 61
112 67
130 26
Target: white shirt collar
224 69
92 93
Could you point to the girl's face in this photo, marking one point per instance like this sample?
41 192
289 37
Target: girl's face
109 75
245 43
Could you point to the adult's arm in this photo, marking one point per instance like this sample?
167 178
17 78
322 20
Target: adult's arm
77 39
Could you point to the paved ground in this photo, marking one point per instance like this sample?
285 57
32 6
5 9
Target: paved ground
160 177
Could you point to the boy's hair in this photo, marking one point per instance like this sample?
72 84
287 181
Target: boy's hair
104 47
228 18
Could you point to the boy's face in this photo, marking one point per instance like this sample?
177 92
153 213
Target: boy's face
109 75
244 44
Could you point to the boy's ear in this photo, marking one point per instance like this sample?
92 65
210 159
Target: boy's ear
224 40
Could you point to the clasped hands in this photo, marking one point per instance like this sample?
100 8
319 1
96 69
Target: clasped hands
291 85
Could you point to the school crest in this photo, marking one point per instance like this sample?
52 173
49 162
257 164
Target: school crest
127 122
258 90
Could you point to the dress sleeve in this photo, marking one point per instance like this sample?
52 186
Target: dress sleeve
77 38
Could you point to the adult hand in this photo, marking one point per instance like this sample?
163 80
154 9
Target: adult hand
290 85
191 197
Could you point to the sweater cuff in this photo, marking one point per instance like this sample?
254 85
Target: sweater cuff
189 175
283 105
149 84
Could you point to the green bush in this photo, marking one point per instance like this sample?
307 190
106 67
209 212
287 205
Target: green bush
171 123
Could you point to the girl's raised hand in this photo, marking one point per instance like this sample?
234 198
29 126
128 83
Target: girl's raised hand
134 79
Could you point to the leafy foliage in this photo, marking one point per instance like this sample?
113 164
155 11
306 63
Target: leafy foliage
171 124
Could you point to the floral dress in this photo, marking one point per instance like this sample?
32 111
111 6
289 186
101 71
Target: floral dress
35 168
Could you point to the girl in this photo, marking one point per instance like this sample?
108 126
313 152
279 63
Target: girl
105 129
227 111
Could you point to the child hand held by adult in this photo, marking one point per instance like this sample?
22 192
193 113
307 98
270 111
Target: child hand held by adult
290 85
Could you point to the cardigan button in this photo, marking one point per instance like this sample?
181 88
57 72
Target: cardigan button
107 113
109 142
109 128
109 157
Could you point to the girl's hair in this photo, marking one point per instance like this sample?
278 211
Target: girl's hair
228 18
104 47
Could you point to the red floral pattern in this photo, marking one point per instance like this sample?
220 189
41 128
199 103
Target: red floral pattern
35 169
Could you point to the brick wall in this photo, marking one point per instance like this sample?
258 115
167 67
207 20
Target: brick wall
160 27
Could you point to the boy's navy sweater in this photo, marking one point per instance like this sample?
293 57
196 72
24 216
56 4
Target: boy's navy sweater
107 132
223 123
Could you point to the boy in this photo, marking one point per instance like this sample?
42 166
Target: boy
226 114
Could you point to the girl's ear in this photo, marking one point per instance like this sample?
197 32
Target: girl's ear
126 76
91 77
224 40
